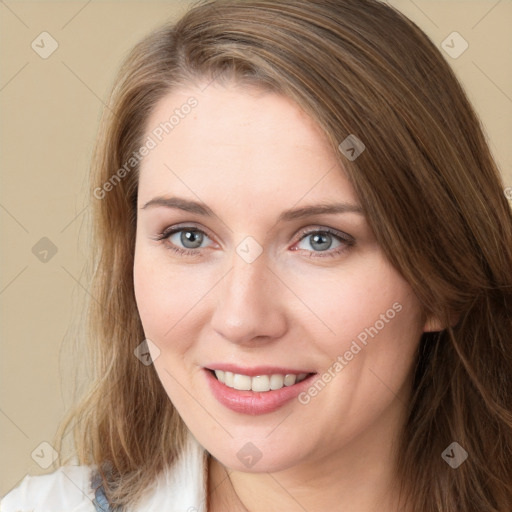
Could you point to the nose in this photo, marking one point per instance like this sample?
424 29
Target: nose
249 308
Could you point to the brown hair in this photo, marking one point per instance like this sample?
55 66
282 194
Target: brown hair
433 197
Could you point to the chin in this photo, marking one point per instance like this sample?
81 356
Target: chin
257 454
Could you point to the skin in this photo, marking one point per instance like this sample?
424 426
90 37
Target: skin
249 155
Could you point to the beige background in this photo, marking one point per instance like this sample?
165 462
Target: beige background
50 111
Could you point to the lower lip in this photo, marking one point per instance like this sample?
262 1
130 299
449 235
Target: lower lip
253 402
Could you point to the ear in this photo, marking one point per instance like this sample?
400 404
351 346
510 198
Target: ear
434 324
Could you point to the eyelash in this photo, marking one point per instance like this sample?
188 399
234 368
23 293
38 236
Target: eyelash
346 239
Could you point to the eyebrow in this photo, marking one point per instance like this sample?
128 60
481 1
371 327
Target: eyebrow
287 215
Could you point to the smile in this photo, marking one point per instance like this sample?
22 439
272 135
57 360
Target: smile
259 383
255 391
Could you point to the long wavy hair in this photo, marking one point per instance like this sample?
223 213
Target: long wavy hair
433 196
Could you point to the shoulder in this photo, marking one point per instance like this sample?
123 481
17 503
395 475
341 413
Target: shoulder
68 489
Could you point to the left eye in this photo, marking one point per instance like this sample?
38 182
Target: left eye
321 240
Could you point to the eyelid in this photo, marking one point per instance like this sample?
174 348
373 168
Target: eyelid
324 229
182 227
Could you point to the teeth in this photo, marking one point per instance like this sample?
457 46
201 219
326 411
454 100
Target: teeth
289 380
228 379
261 383
242 382
276 381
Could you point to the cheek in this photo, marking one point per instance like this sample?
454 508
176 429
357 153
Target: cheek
167 297
165 303
377 326
150 295
369 298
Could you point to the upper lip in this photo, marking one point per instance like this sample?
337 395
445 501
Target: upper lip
254 371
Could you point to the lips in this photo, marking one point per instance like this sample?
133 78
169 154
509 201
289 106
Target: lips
256 390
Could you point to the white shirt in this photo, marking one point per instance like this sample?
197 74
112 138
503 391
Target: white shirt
68 489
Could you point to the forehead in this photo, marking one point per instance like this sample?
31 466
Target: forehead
242 140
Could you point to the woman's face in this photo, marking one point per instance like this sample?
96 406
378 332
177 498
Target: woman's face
254 281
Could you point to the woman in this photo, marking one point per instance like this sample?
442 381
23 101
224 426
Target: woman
302 275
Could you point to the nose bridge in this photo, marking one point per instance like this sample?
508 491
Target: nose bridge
247 285
248 302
